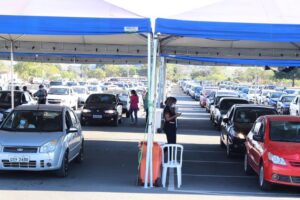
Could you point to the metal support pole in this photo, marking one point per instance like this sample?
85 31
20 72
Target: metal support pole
161 82
12 74
149 127
164 71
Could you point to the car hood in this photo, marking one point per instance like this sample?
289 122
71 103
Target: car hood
243 128
100 106
10 138
287 150
53 96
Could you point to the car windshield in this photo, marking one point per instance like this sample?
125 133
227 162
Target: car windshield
5 97
276 95
55 83
92 88
101 99
249 115
59 91
79 90
285 131
253 92
287 99
227 104
33 121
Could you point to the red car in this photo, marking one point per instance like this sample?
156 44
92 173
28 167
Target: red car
203 96
273 150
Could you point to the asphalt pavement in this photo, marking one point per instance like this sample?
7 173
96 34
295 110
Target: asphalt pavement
109 170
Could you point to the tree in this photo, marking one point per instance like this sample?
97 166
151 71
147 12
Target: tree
292 74
3 67
96 73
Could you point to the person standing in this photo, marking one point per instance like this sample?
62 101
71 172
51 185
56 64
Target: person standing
41 94
145 99
134 107
170 116
26 90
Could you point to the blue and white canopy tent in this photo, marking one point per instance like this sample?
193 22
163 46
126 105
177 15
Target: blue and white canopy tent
76 31
237 32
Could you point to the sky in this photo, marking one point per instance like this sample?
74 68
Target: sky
161 8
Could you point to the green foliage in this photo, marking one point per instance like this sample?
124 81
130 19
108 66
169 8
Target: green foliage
3 67
96 73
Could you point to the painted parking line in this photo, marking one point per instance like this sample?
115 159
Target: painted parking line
204 151
218 176
214 162
229 193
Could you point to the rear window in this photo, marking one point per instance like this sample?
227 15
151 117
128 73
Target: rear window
101 99
5 97
227 104
285 131
249 115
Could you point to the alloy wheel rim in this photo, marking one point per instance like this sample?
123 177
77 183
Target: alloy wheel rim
245 163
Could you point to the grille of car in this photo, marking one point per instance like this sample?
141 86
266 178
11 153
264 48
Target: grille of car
295 179
284 178
295 164
42 163
20 149
30 164
54 101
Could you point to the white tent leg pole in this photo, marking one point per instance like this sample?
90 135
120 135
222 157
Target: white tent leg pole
161 81
153 98
149 127
12 75
164 71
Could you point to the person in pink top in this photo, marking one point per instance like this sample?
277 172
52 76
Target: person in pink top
134 107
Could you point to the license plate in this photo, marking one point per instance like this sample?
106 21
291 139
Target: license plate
19 159
97 116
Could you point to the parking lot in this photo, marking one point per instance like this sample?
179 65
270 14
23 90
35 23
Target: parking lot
110 165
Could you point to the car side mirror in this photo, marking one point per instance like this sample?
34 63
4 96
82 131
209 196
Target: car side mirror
72 130
226 120
258 138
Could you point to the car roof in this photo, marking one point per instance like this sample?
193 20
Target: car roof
60 86
43 107
253 106
282 118
232 98
15 91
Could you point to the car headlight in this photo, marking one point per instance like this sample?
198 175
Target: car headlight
109 111
276 159
86 110
48 147
240 136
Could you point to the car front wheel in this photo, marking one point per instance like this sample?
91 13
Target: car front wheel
247 168
64 168
79 158
263 184
228 150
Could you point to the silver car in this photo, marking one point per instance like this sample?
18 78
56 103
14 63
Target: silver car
40 138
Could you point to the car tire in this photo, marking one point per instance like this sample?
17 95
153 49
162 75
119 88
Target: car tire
64 168
247 168
80 157
116 122
83 123
120 120
263 184
228 150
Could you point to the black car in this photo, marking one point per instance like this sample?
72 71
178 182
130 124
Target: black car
104 108
238 122
223 106
20 98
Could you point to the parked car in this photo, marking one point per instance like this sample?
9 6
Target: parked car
252 95
283 104
94 89
273 149
20 98
262 97
273 97
237 123
204 95
223 106
82 93
102 108
62 95
295 106
197 92
41 138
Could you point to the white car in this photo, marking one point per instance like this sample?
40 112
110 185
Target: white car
93 89
295 106
82 93
62 95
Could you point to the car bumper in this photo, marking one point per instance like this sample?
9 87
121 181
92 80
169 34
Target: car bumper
104 117
285 175
237 145
37 162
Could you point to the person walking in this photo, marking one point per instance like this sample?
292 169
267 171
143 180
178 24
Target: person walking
170 116
134 107
41 94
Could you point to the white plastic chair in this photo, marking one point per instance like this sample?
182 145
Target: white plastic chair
174 160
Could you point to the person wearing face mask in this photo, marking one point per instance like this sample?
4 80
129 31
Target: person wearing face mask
170 116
